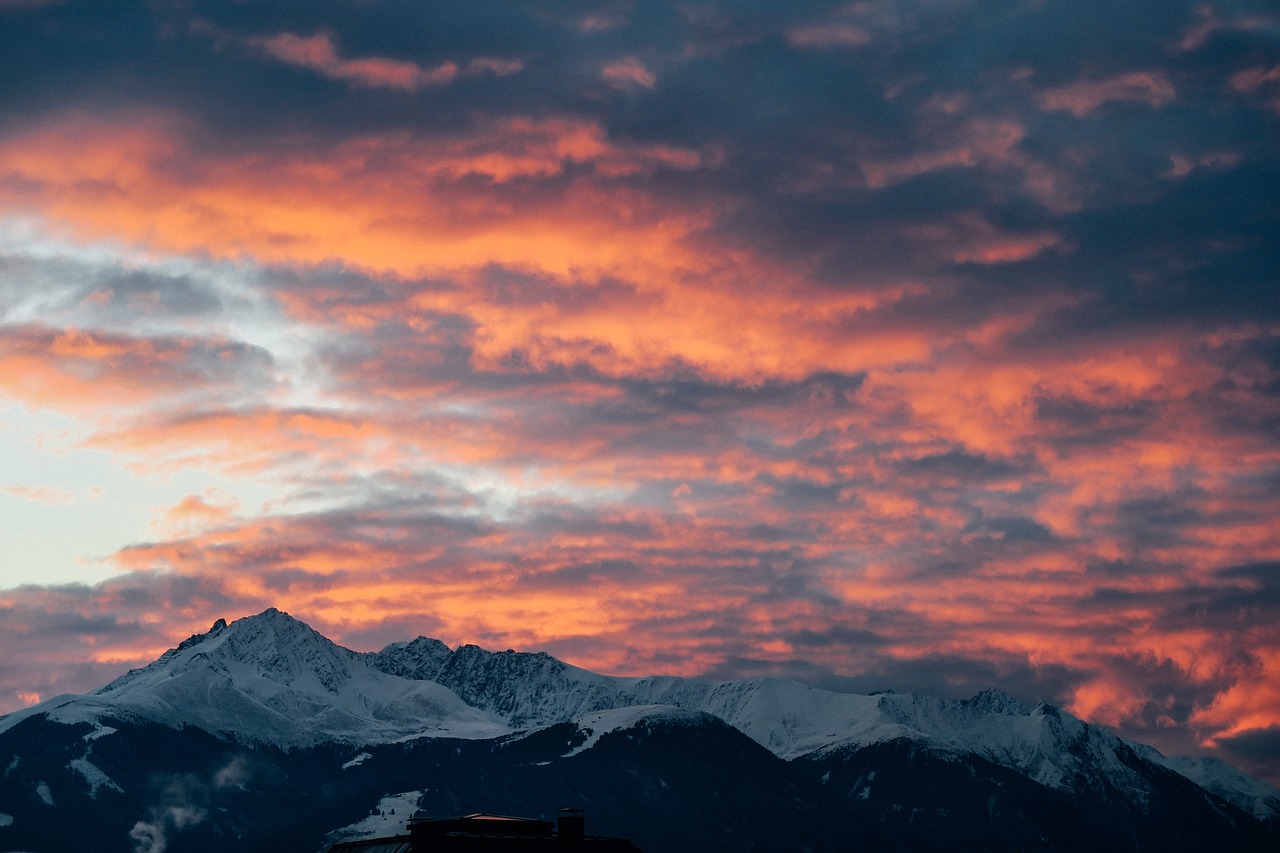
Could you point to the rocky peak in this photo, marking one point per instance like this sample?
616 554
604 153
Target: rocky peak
470 663
1044 709
510 683
420 659
283 649
995 701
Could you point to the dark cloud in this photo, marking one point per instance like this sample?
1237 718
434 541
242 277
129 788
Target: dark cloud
837 635
1073 424
1017 529
79 291
1256 750
1242 599
72 638
571 577
959 466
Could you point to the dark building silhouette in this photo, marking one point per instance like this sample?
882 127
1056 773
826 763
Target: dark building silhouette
488 832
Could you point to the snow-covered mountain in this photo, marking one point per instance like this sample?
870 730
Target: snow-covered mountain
270 682
1045 743
1216 776
272 679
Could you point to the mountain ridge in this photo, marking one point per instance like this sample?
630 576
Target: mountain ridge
270 678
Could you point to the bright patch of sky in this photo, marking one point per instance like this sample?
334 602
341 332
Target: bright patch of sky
90 501
100 501
66 508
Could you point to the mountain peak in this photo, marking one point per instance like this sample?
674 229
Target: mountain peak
422 658
272 644
993 700
272 614
275 623
272 678
282 648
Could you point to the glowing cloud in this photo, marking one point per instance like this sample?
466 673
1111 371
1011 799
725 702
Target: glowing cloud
1083 97
629 72
827 36
317 53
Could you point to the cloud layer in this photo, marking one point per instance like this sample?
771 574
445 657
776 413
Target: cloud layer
912 345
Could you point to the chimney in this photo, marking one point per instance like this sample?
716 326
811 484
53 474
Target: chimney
571 825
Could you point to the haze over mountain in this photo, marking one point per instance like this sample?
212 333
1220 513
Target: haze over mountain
247 706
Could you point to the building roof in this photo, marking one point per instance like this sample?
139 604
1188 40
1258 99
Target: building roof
480 823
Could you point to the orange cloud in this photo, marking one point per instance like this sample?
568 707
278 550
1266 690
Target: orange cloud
247 440
317 53
77 370
398 204
389 203
1250 703
1181 166
627 73
40 494
830 35
971 239
1083 97
977 143
194 513
1254 78
1210 24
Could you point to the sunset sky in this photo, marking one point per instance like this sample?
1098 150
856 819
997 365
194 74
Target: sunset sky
925 345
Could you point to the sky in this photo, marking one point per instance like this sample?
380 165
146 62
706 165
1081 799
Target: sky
924 345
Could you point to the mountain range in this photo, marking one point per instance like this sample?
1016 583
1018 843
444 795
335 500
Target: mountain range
265 734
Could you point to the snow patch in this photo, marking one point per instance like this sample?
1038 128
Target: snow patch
42 789
603 722
389 817
94 776
13 765
100 731
6 819
357 761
